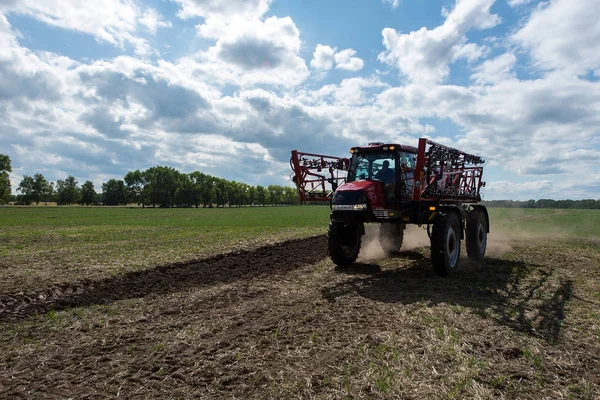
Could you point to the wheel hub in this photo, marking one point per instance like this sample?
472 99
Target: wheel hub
452 247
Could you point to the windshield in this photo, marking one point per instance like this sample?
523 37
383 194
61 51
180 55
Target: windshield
382 166
372 166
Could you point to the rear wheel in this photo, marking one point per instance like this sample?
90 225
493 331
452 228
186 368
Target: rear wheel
476 235
344 242
391 236
445 244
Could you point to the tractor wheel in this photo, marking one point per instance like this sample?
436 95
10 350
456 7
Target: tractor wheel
476 235
391 236
344 243
445 244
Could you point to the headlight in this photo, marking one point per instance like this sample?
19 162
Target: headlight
349 206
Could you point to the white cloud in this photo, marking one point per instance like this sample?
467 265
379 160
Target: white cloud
424 55
114 22
248 49
350 92
257 51
526 188
345 60
393 3
495 70
226 10
516 3
534 127
471 52
153 20
323 57
563 35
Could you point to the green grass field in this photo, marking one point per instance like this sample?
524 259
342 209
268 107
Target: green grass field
579 224
92 242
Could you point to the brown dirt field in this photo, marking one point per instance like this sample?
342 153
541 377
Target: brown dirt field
281 322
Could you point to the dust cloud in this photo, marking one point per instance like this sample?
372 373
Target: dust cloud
499 242
371 248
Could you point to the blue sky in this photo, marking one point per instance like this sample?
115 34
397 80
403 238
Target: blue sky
230 87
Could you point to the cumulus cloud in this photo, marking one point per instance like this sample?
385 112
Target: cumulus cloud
237 107
495 70
563 35
115 22
257 51
515 3
223 10
345 60
248 49
507 187
350 92
152 20
514 123
324 57
424 55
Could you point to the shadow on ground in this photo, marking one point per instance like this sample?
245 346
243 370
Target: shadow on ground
225 268
525 297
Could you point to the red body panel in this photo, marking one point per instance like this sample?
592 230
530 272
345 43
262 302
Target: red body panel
373 189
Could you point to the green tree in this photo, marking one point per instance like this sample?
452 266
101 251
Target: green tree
5 168
67 191
26 189
290 195
136 183
41 188
88 194
201 188
208 193
185 194
114 193
261 195
275 194
162 183
251 195
220 192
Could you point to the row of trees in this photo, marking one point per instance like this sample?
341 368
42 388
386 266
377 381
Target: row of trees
587 204
157 186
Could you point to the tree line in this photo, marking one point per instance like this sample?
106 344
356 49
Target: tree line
158 186
586 204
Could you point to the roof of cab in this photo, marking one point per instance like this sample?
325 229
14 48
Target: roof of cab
379 146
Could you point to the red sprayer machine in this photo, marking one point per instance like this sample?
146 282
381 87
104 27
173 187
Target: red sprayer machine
394 185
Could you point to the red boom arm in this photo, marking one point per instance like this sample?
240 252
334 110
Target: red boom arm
315 175
445 173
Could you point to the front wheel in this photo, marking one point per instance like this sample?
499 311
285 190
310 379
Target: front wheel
344 242
477 227
445 244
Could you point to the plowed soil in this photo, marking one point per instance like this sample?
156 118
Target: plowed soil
281 321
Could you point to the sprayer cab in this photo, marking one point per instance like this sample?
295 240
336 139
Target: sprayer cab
379 176
395 185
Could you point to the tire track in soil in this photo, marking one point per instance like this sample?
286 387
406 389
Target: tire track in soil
264 261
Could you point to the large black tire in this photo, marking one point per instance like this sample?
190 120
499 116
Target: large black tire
391 236
476 235
343 242
445 244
